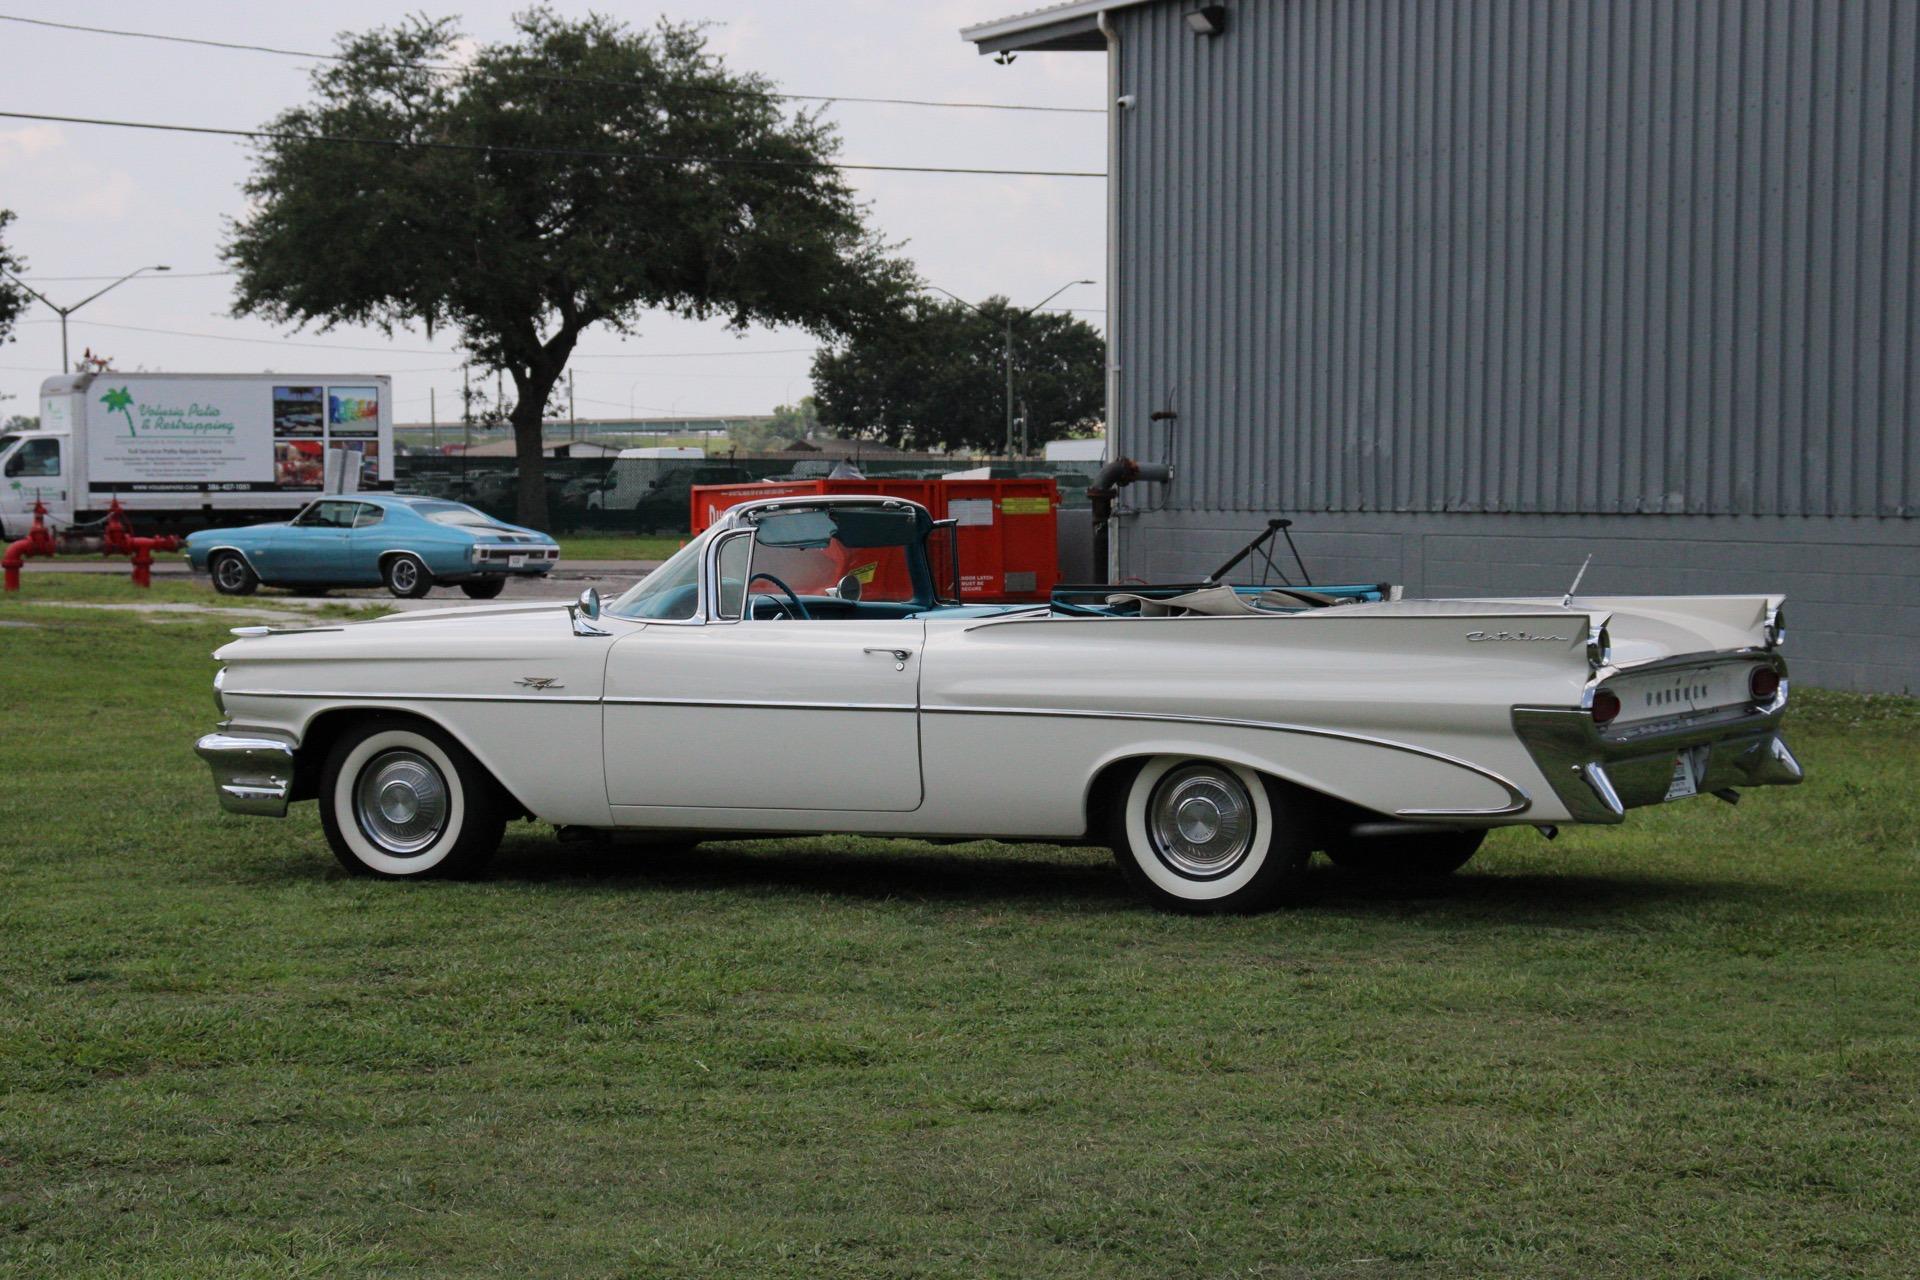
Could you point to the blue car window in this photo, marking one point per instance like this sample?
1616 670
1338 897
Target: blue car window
369 515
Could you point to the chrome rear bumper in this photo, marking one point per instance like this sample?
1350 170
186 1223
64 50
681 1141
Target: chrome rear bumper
250 775
1599 776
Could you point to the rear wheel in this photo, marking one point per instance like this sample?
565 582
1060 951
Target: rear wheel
401 799
1426 856
406 576
1204 837
484 588
232 575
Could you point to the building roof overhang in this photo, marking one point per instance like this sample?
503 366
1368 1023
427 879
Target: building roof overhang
1074 25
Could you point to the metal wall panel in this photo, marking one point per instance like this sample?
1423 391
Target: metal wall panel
1544 256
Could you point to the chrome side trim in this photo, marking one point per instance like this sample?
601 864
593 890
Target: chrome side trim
255 632
250 775
759 704
409 697
1517 799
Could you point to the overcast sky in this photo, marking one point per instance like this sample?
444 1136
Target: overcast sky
99 202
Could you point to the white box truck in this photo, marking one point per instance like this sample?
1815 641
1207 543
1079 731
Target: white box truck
188 450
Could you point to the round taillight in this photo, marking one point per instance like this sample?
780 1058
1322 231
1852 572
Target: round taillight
1764 684
1606 705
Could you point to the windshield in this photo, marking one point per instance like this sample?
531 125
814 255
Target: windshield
671 592
456 513
814 553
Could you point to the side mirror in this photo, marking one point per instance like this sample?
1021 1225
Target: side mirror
582 613
849 588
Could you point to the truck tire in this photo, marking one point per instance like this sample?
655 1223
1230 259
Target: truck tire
232 575
1411 857
1203 837
406 576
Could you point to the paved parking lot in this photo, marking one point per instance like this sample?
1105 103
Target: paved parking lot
609 577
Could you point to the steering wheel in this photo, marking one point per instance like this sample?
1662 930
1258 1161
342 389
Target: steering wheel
797 609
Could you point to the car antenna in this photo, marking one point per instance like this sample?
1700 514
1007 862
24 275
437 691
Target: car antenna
1567 599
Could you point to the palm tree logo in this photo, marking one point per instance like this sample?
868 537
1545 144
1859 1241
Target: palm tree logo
118 401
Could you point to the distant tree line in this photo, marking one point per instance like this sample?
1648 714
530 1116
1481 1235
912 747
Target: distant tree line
933 376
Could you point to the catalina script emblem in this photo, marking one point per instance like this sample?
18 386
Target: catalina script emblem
1477 636
539 682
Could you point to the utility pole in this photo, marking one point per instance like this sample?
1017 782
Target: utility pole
433 418
1006 356
66 364
573 423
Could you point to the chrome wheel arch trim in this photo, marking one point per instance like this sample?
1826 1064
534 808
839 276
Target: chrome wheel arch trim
226 547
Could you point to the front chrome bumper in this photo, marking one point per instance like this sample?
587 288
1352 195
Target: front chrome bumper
1599 776
250 775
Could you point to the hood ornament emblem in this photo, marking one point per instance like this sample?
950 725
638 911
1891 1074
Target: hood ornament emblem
539 682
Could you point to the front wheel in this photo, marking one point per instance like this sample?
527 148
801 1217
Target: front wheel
1204 837
1421 856
232 575
401 800
407 576
483 588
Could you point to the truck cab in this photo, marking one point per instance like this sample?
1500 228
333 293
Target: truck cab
34 465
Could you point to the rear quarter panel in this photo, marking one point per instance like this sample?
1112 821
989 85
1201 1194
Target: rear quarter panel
1393 714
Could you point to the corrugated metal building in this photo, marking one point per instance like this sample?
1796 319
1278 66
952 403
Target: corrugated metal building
1472 288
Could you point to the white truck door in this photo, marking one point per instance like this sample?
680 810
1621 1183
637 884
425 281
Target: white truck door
35 467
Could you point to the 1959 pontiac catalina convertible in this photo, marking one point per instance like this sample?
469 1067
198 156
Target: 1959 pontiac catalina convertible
801 668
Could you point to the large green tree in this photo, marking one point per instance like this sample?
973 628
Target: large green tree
934 377
579 174
13 299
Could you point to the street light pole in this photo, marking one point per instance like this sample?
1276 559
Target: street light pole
66 364
1006 357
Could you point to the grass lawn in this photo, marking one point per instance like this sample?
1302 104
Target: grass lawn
615 546
1688 1046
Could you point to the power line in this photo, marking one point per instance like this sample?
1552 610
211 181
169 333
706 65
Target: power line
172 275
588 80
492 149
429 351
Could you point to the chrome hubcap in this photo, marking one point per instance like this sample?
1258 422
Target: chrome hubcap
401 801
403 574
229 572
1200 820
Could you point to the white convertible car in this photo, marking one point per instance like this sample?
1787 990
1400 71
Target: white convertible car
800 668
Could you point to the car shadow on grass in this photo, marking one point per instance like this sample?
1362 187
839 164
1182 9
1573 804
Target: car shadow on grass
884 870
1077 878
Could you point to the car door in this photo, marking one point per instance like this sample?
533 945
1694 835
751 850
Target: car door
820 715
314 547
369 536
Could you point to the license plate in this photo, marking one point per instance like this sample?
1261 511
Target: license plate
516 562
1684 783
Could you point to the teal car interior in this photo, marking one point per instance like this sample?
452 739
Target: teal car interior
405 543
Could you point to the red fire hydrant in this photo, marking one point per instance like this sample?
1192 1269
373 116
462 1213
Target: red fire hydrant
38 542
116 540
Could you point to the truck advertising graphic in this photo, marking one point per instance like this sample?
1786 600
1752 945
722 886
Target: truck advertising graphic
173 443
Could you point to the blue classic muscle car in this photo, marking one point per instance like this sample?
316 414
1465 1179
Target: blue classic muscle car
407 544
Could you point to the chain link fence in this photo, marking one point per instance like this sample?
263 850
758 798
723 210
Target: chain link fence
654 495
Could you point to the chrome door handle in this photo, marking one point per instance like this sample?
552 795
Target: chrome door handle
898 655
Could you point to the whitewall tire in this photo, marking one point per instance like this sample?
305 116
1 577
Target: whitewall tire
1207 837
403 800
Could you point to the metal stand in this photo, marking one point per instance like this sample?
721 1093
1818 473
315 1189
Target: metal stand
1263 544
